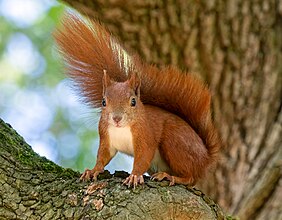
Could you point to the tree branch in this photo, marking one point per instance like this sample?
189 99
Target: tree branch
33 187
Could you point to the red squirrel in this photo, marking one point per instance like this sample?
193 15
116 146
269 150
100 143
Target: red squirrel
161 117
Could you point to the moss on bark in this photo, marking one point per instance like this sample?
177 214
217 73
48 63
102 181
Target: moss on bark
32 187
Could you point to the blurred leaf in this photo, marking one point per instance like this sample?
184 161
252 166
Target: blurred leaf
46 87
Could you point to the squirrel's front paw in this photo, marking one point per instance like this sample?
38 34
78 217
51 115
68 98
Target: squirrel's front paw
90 174
133 180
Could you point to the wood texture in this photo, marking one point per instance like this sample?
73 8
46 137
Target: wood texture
237 47
32 187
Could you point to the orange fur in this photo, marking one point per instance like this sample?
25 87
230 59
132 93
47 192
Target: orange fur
176 116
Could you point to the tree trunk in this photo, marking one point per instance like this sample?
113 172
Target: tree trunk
32 187
237 47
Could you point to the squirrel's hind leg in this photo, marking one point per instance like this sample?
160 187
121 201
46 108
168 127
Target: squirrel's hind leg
173 179
183 151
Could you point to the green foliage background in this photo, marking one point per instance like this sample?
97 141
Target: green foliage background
63 130
40 102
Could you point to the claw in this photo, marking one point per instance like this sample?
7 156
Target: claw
90 175
86 175
133 180
161 175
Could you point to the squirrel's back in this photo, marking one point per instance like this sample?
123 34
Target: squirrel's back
88 49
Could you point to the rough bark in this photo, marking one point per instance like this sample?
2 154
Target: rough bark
32 187
237 47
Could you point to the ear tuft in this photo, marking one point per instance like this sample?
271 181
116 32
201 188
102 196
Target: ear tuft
135 83
106 81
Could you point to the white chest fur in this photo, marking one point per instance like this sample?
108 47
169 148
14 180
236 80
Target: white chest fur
121 140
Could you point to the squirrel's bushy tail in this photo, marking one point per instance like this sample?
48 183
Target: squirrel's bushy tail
184 95
88 49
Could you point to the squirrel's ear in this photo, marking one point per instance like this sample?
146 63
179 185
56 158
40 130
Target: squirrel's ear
135 83
106 81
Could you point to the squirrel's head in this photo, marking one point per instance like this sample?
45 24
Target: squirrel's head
121 100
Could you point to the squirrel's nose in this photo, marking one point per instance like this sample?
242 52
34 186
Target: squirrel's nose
117 118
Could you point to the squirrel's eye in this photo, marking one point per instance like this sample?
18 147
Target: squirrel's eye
104 102
133 102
